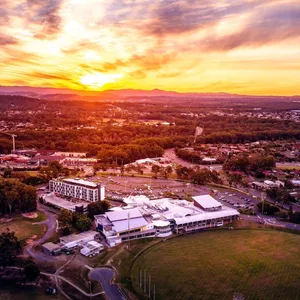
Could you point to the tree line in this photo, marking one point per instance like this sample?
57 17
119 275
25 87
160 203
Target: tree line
246 163
80 221
16 197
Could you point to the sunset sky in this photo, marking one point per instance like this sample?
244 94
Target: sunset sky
236 46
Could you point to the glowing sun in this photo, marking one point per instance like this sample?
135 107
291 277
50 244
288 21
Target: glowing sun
97 80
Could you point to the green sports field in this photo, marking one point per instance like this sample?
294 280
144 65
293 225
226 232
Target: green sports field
259 264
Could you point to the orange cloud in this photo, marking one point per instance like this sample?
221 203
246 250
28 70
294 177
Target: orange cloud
184 45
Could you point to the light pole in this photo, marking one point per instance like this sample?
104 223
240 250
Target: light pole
90 285
263 203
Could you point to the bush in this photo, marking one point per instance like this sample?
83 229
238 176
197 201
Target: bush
32 271
268 209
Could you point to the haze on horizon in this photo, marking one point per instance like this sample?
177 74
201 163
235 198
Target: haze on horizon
244 47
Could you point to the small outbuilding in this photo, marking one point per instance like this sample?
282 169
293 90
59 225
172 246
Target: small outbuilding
73 241
91 248
51 248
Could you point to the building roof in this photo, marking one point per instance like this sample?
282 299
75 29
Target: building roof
207 201
51 246
123 225
161 223
207 216
80 182
78 237
63 203
94 244
123 214
46 157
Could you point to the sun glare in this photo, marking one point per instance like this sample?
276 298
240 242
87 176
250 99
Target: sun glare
97 80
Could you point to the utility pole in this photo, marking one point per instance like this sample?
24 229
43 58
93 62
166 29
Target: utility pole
90 289
149 286
263 202
14 143
128 231
141 281
154 292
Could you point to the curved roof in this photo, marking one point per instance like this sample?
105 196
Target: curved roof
161 223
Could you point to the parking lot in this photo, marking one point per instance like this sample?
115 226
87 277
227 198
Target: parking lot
118 187
236 200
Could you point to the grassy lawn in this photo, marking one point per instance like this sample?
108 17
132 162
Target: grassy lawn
79 276
24 228
260 264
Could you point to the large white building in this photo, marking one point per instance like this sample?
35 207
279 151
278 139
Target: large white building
78 189
124 224
143 217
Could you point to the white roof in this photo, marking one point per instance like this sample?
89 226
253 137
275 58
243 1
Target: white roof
123 214
207 201
80 181
207 216
269 182
161 223
138 199
209 159
123 225
75 238
145 160
85 251
94 244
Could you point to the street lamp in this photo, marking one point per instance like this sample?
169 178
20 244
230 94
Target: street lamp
263 202
90 285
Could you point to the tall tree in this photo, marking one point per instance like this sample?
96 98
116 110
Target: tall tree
65 218
10 247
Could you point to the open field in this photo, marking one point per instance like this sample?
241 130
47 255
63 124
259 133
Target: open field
25 228
259 264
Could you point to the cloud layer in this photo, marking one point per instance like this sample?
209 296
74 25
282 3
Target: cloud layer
184 45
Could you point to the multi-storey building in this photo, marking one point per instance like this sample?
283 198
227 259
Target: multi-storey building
78 189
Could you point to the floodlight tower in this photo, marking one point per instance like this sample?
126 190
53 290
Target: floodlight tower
14 142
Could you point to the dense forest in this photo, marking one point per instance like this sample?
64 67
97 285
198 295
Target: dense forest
95 127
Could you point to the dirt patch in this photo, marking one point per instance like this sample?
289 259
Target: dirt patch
30 215
31 240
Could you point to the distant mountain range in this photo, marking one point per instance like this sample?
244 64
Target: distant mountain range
68 94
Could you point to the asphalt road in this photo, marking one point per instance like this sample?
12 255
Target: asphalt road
259 218
104 276
50 223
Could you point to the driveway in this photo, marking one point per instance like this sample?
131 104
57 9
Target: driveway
50 223
104 276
